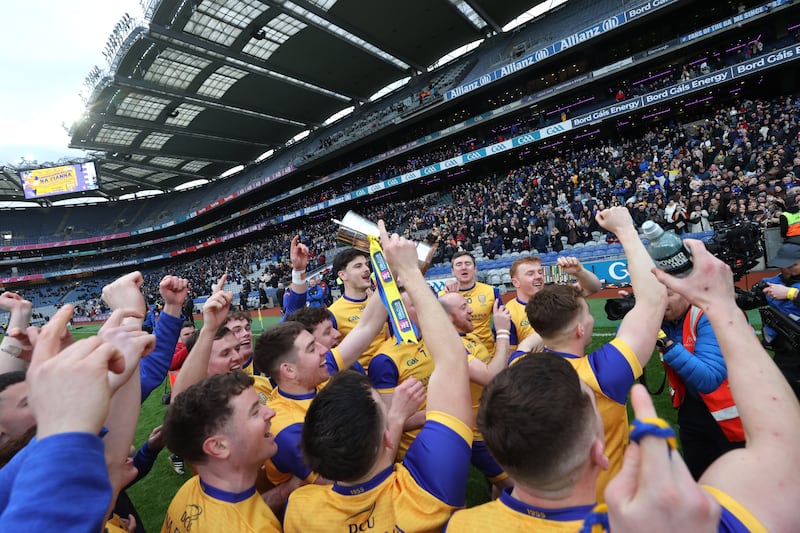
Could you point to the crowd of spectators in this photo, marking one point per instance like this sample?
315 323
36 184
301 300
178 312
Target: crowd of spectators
738 165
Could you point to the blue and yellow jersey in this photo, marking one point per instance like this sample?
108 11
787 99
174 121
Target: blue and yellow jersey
263 387
735 518
345 314
416 495
610 372
392 365
199 507
480 298
509 514
520 327
287 426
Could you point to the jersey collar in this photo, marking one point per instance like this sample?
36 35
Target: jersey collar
224 495
564 514
354 490
307 396
562 354
364 299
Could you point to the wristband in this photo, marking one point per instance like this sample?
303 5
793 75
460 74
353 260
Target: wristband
506 337
792 294
11 349
501 331
298 276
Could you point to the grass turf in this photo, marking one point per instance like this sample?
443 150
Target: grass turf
153 494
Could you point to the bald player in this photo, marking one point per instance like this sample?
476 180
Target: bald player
483 367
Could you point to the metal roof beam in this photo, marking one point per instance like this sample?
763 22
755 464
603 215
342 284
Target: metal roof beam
168 92
343 25
477 8
175 130
254 65
131 179
105 147
145 166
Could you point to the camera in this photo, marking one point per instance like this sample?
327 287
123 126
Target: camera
738 245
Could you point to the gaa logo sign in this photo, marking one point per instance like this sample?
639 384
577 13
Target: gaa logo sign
542 54
610 24
553 130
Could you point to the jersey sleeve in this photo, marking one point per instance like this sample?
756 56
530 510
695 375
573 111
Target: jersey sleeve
516 356
292 302
153 368
439 458
383 373
289 458
73 480
616 367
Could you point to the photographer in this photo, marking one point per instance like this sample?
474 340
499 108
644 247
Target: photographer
698 379
780 316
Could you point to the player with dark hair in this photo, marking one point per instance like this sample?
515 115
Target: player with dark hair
223 429
319 322
541 424
352 267
300 365
347 424
561 316
479 296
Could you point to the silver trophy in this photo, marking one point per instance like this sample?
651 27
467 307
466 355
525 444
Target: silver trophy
354 230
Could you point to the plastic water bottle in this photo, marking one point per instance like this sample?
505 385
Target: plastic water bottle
667 249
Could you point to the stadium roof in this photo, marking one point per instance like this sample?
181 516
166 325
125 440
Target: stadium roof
201 86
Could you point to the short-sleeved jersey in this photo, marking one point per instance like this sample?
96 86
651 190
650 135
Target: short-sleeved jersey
393 364
287 426
509 514
416 495
346 313
610 372
735 518
200 508
480 298
520 326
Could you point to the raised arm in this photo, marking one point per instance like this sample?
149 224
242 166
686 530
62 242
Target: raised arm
369 326
215 312
153 369
587 281
482 373
640 326
762 476
448 388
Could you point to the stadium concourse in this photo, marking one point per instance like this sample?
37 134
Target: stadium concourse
225 137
